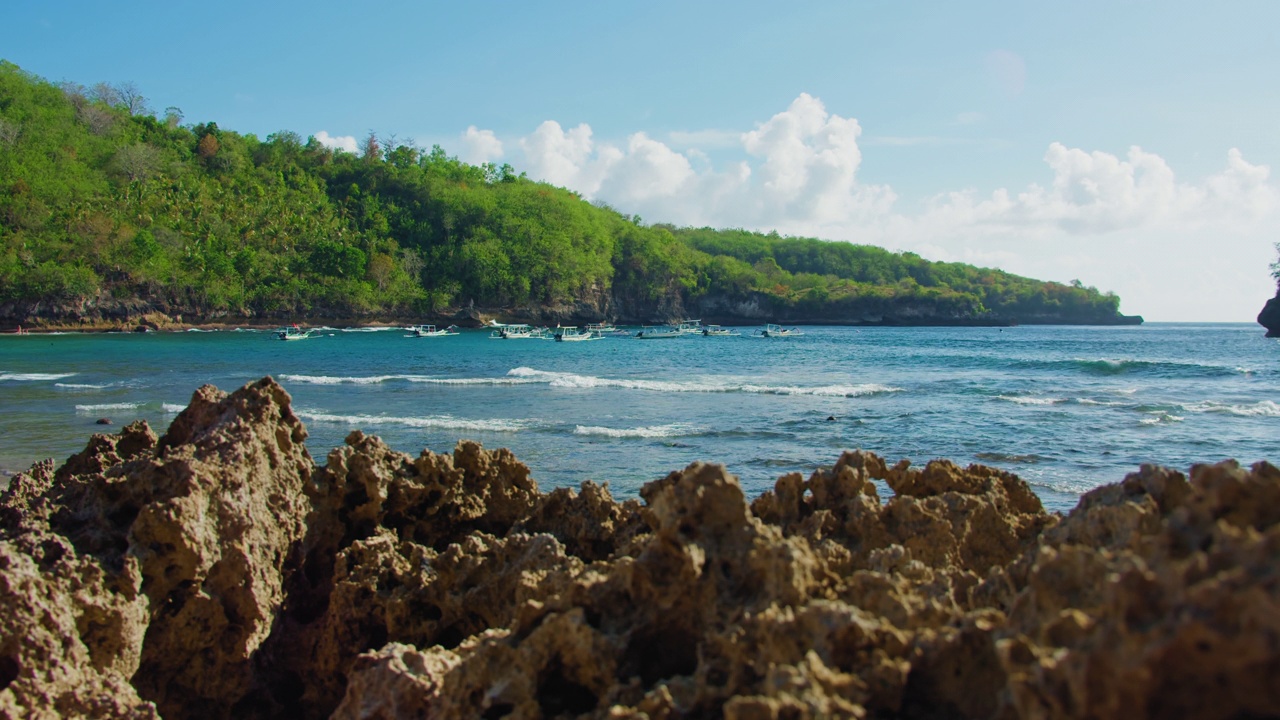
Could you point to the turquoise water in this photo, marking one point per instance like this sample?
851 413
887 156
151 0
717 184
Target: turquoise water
1067 408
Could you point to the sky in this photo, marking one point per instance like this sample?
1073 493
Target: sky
1126 144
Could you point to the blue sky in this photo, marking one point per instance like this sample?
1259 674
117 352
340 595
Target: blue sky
995 133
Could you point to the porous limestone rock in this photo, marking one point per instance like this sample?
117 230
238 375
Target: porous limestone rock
216 572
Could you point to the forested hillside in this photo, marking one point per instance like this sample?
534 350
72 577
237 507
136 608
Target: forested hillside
110 210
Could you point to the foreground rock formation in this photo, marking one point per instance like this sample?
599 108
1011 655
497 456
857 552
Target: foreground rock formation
217 572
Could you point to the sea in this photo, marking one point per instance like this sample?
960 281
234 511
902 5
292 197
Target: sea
1065 408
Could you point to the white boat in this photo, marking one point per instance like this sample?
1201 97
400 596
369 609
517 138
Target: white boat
431 331
778 331
519 331
573 334
690 327
660 332
717 331
602 328
293 332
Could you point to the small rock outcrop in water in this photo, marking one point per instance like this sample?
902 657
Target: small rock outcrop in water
217 572
1269 318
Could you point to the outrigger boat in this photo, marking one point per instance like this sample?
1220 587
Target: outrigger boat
661 332
778 331
431 331
690 327
717 331
518 331
602 328
293 332
573 334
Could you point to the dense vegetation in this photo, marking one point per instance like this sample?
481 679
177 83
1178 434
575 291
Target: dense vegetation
102 200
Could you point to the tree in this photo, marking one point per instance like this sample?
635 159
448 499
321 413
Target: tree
136 162
371 150
131 99
172 116
207 148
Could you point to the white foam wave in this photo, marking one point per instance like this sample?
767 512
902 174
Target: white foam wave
653 431
423 379
173 407
108 406
1160 416
1262 408
340 380
438 422
1103 403
1025 400
712 385
34 377
81 386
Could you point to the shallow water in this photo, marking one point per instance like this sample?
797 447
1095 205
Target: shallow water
1067 408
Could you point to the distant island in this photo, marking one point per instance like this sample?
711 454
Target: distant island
113 215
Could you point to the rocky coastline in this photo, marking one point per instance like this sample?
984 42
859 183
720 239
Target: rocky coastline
1269 318
218 571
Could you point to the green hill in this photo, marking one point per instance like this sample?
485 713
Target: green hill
109 212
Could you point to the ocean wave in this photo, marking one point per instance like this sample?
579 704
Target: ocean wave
1102 403
1160 417
377 379
1126 366
81 386
109 406
172 407
1027 400
653 431
438 422
571 380
342 380
34 377
1262 408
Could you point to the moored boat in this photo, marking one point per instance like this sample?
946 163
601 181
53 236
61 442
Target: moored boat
431 331
717 331
659 332
293 332
777 331
573 334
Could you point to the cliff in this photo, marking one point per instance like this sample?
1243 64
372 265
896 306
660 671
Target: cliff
217 571
1269 318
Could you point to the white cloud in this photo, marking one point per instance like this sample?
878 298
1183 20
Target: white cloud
1172 249
480 146
342 142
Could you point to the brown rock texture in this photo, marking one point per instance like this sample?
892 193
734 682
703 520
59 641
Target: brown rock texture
218 572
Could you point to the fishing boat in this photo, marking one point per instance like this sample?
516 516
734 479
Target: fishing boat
659 332
519 331
602 328
293 332
689 327
573 334
431 331
717 331
777 331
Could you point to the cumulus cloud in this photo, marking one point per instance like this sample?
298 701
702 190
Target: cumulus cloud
342 142
1172 249
480 146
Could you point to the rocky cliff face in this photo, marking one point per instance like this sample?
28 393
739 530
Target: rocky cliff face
217 571
1269 318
